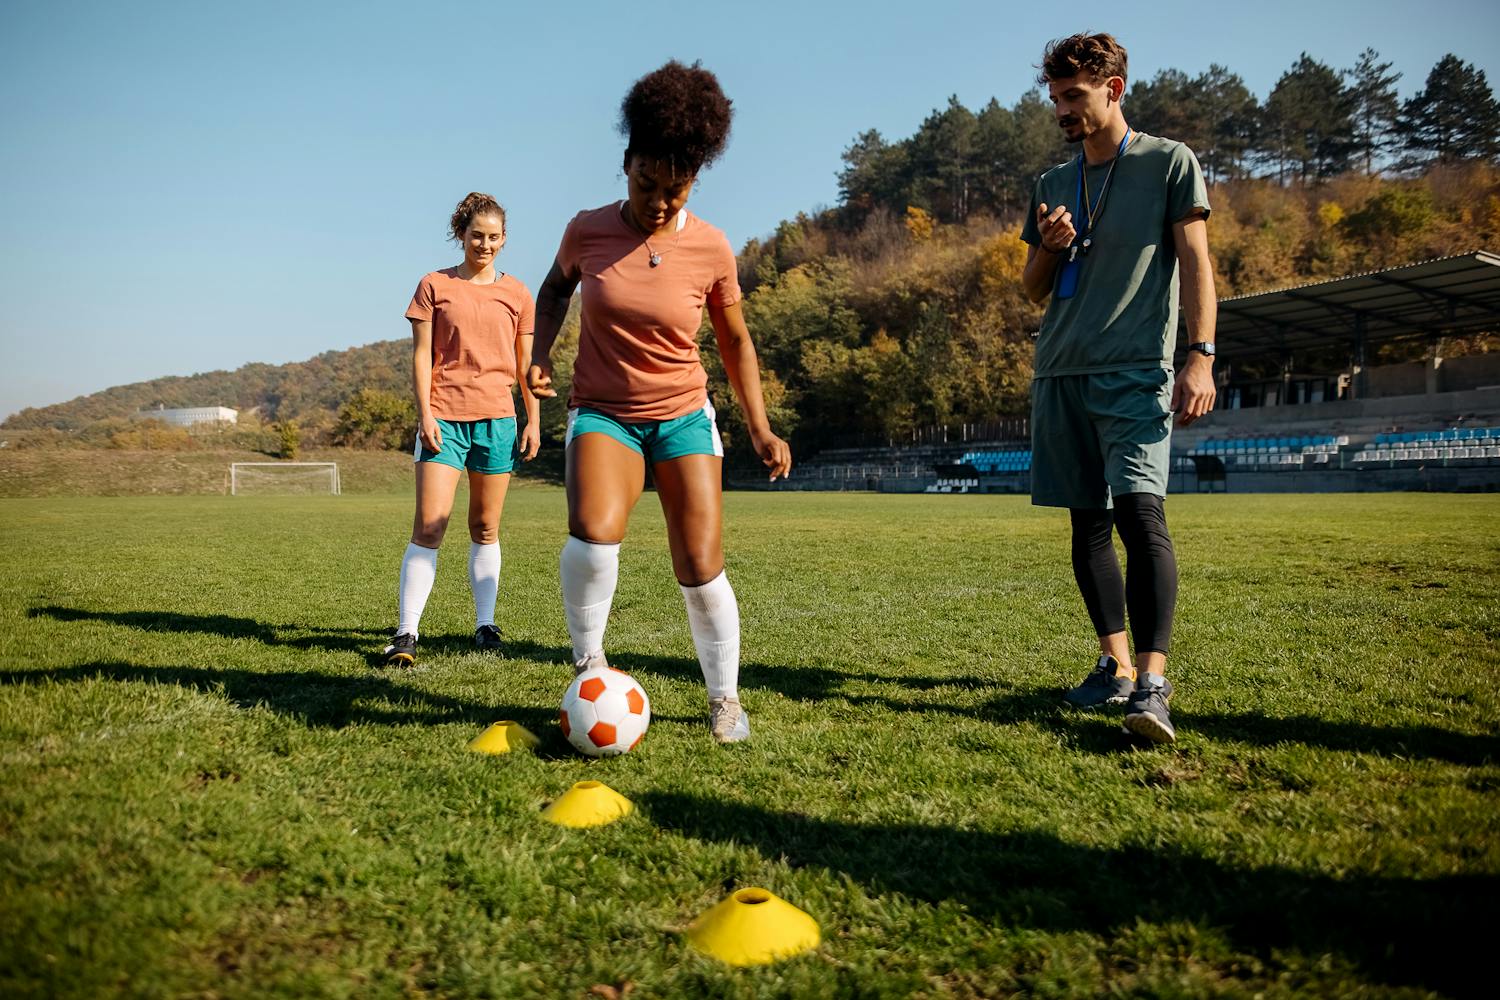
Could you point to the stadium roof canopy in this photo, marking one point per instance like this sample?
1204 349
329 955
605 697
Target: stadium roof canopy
1442 297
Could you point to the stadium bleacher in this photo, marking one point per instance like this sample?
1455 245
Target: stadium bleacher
961 484
1273 453
999 462
1456 444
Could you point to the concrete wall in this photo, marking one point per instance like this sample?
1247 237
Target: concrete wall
1353 415
1485 479
1473 372
1409 379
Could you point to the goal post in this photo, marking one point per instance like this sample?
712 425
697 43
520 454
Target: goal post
283 478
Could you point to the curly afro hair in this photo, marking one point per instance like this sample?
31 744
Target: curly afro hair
474 203
678 114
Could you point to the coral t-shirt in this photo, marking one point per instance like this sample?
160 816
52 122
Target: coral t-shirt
638 342
474 331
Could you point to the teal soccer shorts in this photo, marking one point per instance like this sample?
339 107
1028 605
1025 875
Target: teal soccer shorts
486 446
693 433
1095 437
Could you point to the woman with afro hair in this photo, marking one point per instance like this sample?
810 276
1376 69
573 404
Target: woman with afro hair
648 268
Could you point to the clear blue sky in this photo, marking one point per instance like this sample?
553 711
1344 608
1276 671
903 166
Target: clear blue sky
188 186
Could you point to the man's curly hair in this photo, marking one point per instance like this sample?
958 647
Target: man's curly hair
677 114
1098 54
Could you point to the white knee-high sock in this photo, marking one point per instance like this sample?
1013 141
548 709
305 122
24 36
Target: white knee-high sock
418 570
714 616
589 572
484 580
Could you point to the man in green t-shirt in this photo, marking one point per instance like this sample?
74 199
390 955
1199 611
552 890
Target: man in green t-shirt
1108 233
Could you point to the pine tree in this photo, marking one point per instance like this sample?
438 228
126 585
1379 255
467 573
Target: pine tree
1230 112
1308 122
943 161
1454 117
1375 107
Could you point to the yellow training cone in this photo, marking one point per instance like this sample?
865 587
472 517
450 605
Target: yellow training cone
588 803
503 737
753 927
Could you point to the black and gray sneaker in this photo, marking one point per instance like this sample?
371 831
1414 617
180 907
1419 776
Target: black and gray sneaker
1146 715
402 651
487 639
1103 686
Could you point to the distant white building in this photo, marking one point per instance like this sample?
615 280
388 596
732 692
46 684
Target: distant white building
190 415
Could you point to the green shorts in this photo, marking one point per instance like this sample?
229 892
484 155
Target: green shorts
486 446
694 433
1094 437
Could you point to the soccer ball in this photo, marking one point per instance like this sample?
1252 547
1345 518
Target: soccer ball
604 712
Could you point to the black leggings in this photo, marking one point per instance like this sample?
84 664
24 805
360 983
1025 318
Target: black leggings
1150 591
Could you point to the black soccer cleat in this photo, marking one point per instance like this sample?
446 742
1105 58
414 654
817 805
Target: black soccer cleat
487 639
402 651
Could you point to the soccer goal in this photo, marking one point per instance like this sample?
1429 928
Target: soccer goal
283 478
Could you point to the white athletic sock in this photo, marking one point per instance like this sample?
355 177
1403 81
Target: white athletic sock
418 570
484 580
714 617
589 572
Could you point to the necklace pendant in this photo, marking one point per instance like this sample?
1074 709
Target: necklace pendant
656 260
1072 254
1086 244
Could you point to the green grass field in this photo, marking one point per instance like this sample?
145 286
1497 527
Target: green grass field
208 791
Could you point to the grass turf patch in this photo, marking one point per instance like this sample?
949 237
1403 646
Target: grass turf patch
207 789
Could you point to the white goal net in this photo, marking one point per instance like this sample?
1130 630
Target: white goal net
283 478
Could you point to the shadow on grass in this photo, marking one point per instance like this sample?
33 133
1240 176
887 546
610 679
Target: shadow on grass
339 640
808 683
312 697
1043 707
1422 932
802 682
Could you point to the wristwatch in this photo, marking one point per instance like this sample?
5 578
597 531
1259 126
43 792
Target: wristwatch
1204 347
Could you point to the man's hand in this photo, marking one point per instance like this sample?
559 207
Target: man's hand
539 378
1056 228
775 453
1194 393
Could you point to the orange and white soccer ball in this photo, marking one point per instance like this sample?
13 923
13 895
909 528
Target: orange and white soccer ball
605 712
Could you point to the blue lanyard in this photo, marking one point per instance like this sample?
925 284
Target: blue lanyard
1088 210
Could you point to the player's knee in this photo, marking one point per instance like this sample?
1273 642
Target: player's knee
481 533
429 534
605 528
598 530
699 565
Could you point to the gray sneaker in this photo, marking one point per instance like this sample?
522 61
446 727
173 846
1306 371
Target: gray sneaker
1101 687
729 722
1146 716
589 662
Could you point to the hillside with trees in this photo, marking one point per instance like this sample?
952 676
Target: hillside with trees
901 308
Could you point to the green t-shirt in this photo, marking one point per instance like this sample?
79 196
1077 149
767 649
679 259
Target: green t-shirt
1123 314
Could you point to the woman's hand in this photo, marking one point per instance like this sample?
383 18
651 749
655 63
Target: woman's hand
775 453
539 378
531 441
431 434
